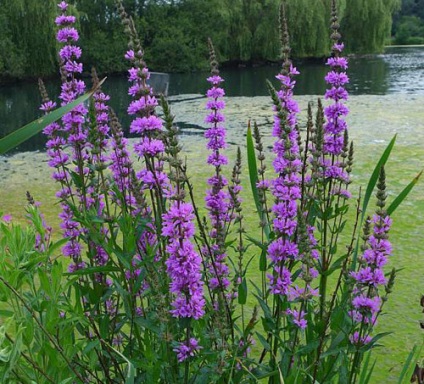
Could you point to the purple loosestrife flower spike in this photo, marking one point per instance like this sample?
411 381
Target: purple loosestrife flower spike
335 113
73 128
217 199
121 166
70 132
286 186
183 264
150 147
366 303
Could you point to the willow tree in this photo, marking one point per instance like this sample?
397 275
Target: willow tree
367 24
11 58
308 23
252 29
32 34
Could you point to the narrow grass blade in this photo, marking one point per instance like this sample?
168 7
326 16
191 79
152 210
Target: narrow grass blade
402 196
409 366
366 370
132 372
26 132
374 177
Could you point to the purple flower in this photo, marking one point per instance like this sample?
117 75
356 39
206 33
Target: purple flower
150 146
7 218
298 318
280 281
67 34
281 250
337 62
186 350
64 20
143 124
63 6
130 55
338 47
215 93
215 80
355 339
336 126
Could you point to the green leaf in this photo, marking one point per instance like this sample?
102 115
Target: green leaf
335 265
253 176
5 313
66 381
26 132
242 292
263 341
373 342
263 261
92 344
402 196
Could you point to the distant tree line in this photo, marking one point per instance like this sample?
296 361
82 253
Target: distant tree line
408 27
174 32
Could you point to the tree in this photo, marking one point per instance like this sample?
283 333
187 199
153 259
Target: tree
313 17
30 36
366 24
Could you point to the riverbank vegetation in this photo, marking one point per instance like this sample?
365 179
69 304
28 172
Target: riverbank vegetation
173 33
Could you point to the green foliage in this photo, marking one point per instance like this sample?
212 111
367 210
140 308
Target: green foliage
11 59
367 24
176 36
27 38
304 15
409 30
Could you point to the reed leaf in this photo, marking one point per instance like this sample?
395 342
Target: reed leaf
26 132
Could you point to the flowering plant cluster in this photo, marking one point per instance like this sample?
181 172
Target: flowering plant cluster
156 292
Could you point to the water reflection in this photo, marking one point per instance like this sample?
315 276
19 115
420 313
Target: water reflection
399 70
368 75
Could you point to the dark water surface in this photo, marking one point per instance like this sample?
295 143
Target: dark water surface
399 70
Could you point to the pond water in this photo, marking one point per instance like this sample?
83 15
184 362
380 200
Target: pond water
398 70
